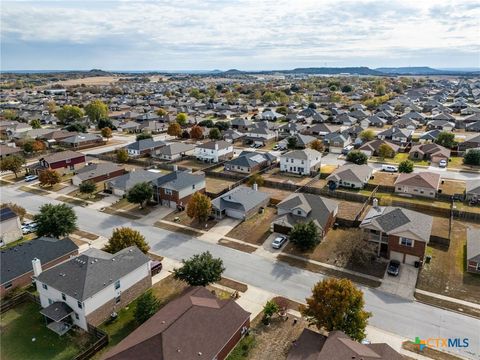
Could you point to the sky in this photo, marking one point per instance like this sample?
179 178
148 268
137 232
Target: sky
238 34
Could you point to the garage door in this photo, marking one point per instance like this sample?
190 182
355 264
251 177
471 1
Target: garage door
394 255
234 214
410 259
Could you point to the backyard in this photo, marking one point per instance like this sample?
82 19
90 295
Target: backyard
214 185
25 336
256 229
445 274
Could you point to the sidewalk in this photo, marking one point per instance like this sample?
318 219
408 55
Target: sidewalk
450 299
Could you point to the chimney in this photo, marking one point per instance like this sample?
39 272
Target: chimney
216 145
175 167
37 267
255 187
375 202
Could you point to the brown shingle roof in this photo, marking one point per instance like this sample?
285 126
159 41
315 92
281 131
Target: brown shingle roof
197 322
424 179
61 156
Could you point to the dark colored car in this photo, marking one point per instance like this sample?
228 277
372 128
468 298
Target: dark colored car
155 267
393 267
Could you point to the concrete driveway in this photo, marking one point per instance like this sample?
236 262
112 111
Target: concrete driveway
402 285
267 244
222 228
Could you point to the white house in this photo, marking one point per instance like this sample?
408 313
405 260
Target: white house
214 151
89 288
303 162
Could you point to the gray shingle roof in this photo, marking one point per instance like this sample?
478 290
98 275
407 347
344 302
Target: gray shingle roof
240 198
95 170
175 148
129 180
145 144
178 180
17 261
92 271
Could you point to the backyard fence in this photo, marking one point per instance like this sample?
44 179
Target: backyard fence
16 300
101 340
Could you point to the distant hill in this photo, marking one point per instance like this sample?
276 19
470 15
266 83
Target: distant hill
362 70
424 70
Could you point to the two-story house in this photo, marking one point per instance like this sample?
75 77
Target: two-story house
177 187
303 162
401 234
303 207
249 162
214 151
63 162
337 141
89 288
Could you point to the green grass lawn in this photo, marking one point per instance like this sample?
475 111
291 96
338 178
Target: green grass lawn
23 324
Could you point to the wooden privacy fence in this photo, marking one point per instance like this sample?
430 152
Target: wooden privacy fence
16 300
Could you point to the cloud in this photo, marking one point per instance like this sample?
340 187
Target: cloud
224 34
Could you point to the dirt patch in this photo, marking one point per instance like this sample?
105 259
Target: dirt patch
256 229
172 227
33 191
384 178
440 227
124 214
93 80
348 210
276 195
85 235
214 185
237 246
428 352
282 177
72 201
446 273
444 304
181 217
331 251
303 264
292 305
232 284
193 164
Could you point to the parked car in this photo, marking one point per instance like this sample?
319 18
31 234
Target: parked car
278 242
389 168
29 178
393 267
28 228
442 163
347 149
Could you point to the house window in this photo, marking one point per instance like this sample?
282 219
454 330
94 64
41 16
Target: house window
45 286
168 192
193 186
77 317
7 285
117 299
64 298
399 189
406 242
117 284
79 304
478 266
299 212
50 302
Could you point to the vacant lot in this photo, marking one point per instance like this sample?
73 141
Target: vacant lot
25 336
214 185
331 251
446 273
256 229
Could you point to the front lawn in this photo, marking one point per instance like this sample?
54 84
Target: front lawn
256 229
25 336
181 217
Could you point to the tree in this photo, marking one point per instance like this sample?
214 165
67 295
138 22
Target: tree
140 193
162 112
207 123
143 136
55 220
76 126
199 207
122 155
316 145
17 209
87 187
446 139
255 179
124 237
214 134
282 110
222 125
386 151
380 90
367 135
270 309
472 157
105 123
181 119
292 142
357 157
69 113
49 177
38 146
147 306
12 163
106 132
96 110
51 106
304 235
36 124
9 114
200 270
174 129
406 166
196 132
347 88
336 304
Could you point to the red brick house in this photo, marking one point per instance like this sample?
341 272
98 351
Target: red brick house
177 187
63 162
401 234
16 270
196 325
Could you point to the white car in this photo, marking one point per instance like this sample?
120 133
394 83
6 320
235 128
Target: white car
389 168
279 241
442 163
29 178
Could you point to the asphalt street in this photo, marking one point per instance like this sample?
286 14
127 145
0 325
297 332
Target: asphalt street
390 313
